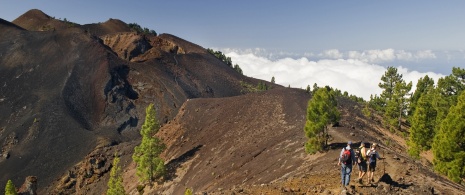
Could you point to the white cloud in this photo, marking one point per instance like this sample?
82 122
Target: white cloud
368 56
355 76
425 54
333 53
389 55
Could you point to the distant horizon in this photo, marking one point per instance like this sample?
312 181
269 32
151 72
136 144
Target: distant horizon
346 44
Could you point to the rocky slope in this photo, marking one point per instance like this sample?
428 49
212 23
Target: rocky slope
65 93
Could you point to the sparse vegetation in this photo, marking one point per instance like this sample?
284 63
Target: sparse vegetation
188 192
247 87
147 155
69 23
47 28
140 189
225 59
137 28
262 86
366 110
238 69
221 56
115 184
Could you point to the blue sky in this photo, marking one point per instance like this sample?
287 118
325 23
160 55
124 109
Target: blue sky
424 36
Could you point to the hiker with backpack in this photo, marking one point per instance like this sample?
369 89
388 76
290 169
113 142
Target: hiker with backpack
362 162
372 155
346 160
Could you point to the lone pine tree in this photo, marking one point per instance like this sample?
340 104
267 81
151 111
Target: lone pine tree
115 184
147 155
10 188
321 111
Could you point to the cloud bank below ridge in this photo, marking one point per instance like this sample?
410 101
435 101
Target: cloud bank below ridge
356 76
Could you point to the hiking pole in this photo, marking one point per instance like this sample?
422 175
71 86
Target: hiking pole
384 164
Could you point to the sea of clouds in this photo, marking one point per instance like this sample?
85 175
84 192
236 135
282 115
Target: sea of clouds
357 72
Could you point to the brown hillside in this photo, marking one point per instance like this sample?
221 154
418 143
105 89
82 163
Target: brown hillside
36 20
7 26
253 144
108 27
64 94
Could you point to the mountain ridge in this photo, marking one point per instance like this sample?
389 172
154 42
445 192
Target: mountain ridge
71 96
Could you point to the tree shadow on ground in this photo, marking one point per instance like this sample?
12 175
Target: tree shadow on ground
174 164
340 145
386 178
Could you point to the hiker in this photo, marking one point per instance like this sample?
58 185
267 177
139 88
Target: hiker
346 160
372 155
362 162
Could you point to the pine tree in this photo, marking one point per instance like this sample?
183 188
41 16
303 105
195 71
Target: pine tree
273 80
315 88
376 103
449 143
396 107
446 93
321 111
390 79
394 99
188 192
424 84
10 188
238 69
115 184
147 154
366 110
423 124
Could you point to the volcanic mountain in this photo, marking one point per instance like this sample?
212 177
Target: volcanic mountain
72 95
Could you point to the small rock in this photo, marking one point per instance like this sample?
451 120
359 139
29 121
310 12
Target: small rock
285 189
295 190
352 134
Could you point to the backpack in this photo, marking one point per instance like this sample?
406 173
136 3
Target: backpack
359 156
345 157
363 151
372 156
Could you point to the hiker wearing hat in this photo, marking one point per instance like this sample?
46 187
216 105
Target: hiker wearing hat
372 155
346 160
362 162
